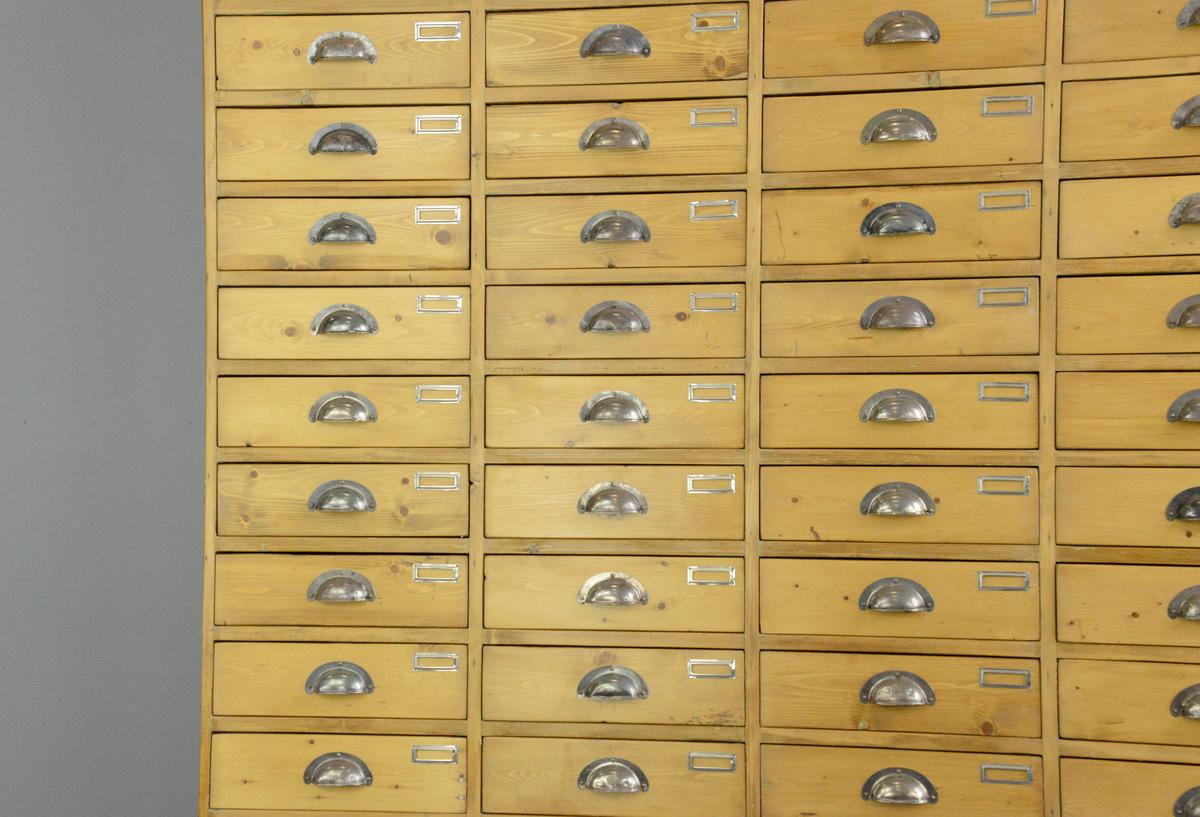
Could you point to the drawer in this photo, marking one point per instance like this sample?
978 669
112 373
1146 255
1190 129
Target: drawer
614 501
900 411
1112 218
1130 119
1129 701
613 685
351 234
344 51
583 777
616 321
1144 507
344 323
418 774
1122 789
344 412
1100 30
616 411
614 593
1128 604
1129 314
617 230
341 500
341 591
963 222
340 680
1128 410
617 138
602 46
977 600
901 693
831 37
834 782
428 142
900 504
974 316
957 127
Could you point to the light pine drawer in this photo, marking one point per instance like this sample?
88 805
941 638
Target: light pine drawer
899 411
827 37
409 51
617 138
427 142
341 500
1149 410
1129 314
1129 701
974 316
900 504
586 47
971 600
957 127
1141 507
834 782
543 776
614 501
617 230
1129 604
416 774
613 685
616 411
349 234
1123 789
344 323
340 680
1130 119
1116 218
614 593
944 695
344 412
616 321
1104 30
341 591
857 225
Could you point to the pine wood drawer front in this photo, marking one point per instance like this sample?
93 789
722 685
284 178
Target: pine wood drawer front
614 593
1135 314
621 230
340 680
946 695
1121 789
604 45
617 138
857 225
834 782
408 774
1128 604
614 501
569 777
1130 119
342 500
616 411
617 321
972 600
974 316
1144 507
430 50
900 504
1113 218
1128 410
900 411
425 142
1103 30
612 685
349 412
344 323
341 591
828 37
349 234
1133 702
977 126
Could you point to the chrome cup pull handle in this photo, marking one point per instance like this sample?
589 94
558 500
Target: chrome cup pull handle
898 786
339 678
1189 15
1185 408
897 688
614 226
612 590
1187 703
344 319
895 595
612 684
341 587
615 316
902 27
341 228
341 45
897 406
613 775
1185 314
614 133
614 40
1185 506
898 218
897 499
1185 211
614 407
612 499
341 496
1186 604
1187 115
337 770
1188 803
899 125
897 312
343 137
343 407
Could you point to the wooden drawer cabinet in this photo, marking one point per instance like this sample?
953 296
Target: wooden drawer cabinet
1129 604
1115 218
1100 30
1129 314
1136 702
1128 410
1130 119
1123 789
1143 507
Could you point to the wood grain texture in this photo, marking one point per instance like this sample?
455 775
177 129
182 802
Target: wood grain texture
1124 604
1125 701
1099 31
1123 506
1118 218
1124 315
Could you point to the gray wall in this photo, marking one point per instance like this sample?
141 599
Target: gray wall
101 382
